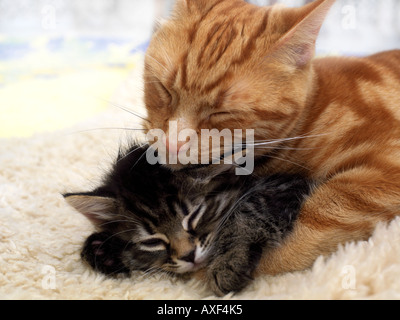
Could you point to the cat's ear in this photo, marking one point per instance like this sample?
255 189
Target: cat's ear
96 208
297 46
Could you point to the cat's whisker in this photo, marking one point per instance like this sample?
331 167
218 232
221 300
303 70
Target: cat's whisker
143 117
154 81
265 146
158 62
303 136
220 159
287 160
268 142
262 144
110 128
284 148
166 56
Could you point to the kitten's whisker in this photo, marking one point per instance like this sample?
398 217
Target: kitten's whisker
116 271
129 153
151 271
116 234
122 268
111 236
140 158
114 221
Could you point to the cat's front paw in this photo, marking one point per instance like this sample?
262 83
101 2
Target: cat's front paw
224 279
102 252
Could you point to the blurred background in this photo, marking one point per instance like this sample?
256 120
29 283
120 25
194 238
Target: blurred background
62 60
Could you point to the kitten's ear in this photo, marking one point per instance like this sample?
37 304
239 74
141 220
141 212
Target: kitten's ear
97 209
297 46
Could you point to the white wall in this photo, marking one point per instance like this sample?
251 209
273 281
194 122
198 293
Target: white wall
354 26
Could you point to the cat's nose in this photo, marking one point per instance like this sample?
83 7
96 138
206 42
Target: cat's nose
189 257
174 146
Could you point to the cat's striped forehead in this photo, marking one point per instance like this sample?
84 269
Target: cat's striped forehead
213 41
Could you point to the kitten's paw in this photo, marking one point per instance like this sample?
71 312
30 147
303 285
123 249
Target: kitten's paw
223 280
103 252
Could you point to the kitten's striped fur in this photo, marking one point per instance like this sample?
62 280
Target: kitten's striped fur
153 219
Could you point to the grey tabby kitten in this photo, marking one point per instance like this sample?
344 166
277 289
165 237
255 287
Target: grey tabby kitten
199 218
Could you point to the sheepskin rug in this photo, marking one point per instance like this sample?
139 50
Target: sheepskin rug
41 236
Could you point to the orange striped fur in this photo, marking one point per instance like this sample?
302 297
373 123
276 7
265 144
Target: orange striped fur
229 64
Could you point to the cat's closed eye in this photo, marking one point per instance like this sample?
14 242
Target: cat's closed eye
218 115
166 94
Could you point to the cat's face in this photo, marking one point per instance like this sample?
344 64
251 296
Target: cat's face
228 64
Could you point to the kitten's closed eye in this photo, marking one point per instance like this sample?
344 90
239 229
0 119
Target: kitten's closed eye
152 242
158 243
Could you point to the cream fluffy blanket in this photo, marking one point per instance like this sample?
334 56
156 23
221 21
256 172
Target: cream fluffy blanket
41 236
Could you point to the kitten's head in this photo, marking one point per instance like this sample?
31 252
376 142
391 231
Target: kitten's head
218 64
163 220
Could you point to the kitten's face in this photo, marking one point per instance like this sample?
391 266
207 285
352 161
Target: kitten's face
227 64
170 234
166 219
179 241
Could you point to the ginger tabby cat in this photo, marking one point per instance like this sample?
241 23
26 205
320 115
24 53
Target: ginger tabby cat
229 64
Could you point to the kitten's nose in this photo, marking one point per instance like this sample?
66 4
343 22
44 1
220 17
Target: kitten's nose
174 146
189 257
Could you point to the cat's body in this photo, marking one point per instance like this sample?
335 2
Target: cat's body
354 118
229 64
150 218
